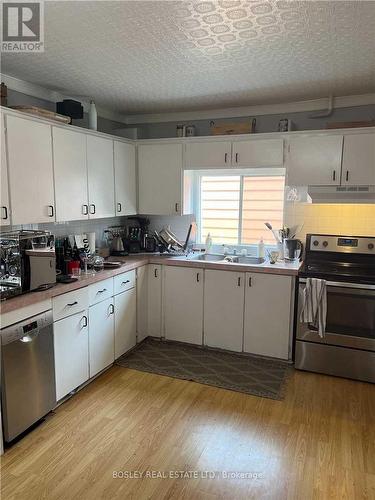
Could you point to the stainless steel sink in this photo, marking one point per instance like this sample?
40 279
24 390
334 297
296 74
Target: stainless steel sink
250 260
228 259
208 257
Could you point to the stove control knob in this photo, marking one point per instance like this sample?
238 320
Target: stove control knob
325 243
315 243
370 246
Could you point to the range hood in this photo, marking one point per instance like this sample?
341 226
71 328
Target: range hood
341 194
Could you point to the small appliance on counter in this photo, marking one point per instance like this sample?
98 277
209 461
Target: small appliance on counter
115 237
293 249
135 242
28 262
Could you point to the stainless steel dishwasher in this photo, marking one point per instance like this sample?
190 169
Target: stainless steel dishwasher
28 373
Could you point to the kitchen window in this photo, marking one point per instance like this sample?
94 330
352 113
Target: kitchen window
233 206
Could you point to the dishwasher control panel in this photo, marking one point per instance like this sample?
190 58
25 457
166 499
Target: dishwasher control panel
27 329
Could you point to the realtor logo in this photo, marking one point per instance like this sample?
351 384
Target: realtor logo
23 27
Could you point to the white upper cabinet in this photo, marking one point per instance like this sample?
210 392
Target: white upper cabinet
314 160
358 162
70 168
183 304
100 177
258 153
30 171
125 178
200 155
160 179
223 309
4 193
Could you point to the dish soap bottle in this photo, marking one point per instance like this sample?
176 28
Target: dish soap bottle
261 248
208 243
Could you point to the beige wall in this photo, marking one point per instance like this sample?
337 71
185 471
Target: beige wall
345 219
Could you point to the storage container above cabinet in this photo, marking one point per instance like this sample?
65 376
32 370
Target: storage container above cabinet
160 179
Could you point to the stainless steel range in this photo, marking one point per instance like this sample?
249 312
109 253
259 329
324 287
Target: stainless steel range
347 263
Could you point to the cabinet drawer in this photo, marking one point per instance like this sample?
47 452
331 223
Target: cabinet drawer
124 282
70 303
100 291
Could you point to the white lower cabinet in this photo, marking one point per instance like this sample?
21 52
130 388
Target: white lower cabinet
154 300
183 304
125 321
71 348
267 319
142 302
223 309
101 337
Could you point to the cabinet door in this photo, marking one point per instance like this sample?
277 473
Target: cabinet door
160 179
258 153
207 155
154 327
102 336
142 302
100 177
30 171
71 346
223 309
125 184
358 161
70 169
267 324
125 321
314 161
183 304
4 188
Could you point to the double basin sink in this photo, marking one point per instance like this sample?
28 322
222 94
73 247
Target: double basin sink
227 259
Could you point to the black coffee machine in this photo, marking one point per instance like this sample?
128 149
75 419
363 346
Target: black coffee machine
137 239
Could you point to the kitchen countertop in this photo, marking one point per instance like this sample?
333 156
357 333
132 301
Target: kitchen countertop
134 261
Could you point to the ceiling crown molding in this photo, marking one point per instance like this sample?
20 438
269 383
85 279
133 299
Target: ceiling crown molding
40 92
263 109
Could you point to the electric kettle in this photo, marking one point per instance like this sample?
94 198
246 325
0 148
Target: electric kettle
292 249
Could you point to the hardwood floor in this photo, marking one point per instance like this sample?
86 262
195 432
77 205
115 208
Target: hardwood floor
318 443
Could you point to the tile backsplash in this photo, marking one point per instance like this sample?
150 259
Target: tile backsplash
345 219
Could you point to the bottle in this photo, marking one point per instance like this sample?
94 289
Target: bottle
261 248
93 116
208 243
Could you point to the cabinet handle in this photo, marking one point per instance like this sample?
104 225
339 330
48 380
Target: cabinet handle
86 321
347 175
93 210
334 175
250 281
72 304
85 209
239 281
5 213
101 291
112 309
197 277
125 282
236 157
225 157
176 207
119 207
155 273
51 214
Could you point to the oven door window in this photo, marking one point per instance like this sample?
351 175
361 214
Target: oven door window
351 312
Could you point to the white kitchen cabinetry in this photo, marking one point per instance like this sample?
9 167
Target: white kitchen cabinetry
223 309
200 155
29 146
183 304
154 327
358 161
4 189
125 321
71 347
160 179
100 177
70 169
267 319
125 178
258 153
101 336
314 160
142 302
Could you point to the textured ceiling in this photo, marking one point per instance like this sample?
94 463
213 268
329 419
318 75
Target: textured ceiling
154 56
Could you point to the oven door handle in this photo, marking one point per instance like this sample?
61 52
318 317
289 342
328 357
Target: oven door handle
338 284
